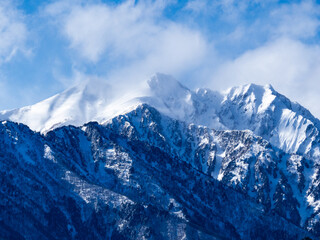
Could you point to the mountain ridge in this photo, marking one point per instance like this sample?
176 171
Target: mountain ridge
260 109
129 157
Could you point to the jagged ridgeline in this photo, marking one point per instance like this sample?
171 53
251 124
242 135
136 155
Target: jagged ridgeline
174 164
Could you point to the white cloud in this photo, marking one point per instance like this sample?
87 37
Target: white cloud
296 20
13 31
228 10
254 22
197 6
131 34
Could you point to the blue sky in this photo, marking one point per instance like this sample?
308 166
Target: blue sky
48 46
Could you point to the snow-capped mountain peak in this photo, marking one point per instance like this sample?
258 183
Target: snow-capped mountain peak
257 98
166 87
76 105
271 115
170 96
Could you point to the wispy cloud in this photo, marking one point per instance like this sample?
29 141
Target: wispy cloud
298 20
13 31
229 10
128 32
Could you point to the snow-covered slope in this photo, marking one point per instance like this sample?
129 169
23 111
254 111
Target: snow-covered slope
85 102
271 115
260 109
